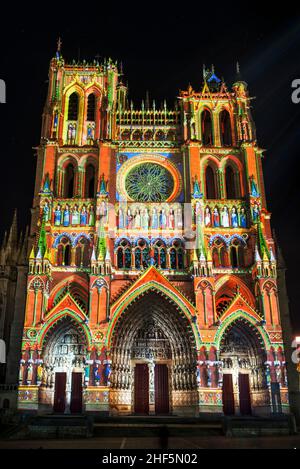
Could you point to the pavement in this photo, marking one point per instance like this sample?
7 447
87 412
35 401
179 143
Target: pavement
176 442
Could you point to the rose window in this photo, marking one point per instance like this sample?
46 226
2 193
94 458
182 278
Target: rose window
149 182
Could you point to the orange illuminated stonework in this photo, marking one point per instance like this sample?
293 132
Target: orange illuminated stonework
152 283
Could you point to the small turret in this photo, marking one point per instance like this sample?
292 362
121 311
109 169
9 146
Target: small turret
272 262
107 262
195 263
257 255
122 92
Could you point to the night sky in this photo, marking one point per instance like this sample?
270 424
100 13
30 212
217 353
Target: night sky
162 52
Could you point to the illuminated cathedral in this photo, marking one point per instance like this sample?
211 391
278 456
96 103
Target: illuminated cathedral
152 284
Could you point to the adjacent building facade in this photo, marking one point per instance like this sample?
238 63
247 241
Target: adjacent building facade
13 281
152 285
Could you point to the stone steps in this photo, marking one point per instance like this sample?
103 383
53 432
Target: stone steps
86 426
53 426
156 426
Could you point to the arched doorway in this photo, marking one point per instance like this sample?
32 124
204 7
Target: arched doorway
243 360
153 359
63 370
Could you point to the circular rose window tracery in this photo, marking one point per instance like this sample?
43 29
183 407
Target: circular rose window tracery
149 182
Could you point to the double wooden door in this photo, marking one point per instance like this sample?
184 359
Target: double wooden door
60 393
244 394
141 389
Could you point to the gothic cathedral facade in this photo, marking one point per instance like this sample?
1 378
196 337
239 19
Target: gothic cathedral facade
152 284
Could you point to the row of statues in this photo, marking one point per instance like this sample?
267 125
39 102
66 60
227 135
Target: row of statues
70 216
155 218
233 218
143 218
72 130
71 134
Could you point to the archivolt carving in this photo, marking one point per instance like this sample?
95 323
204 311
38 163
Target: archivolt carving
166 334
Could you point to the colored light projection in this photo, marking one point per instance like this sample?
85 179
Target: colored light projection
149 182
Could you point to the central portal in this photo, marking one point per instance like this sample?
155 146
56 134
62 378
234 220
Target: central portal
142 396
153 353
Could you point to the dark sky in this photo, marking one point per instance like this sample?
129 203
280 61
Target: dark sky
162 52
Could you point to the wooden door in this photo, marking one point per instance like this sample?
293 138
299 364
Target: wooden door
60 392
141 389
76 393
228 396
161 383
244 393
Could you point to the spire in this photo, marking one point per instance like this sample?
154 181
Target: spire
102 186
42 243
147 101
263 247
194 256
107 256
202 256
280 259
272 257
12 239
46 187
4 243
238 72
257 255
101 248
47 255
209 256
196 190
39 254
25 244
254 190
32 256
265 256
238 76
20 246
58 49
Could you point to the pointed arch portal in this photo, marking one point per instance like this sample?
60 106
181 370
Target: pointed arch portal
64 356
243 357
153 353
